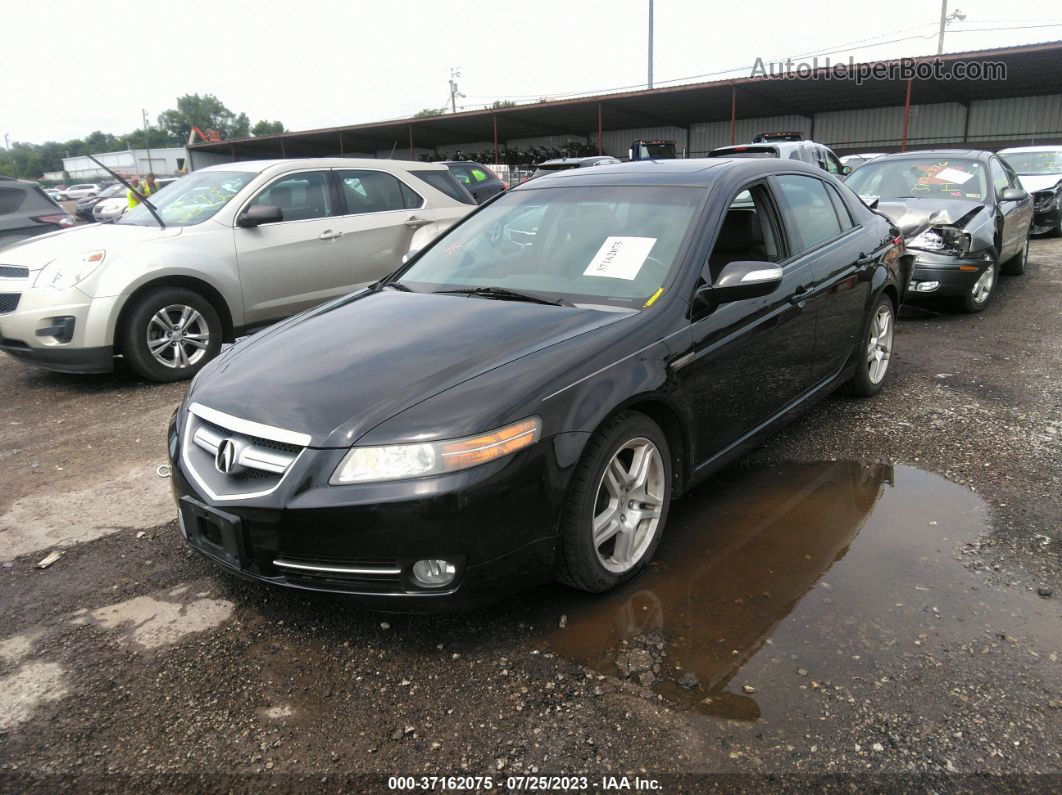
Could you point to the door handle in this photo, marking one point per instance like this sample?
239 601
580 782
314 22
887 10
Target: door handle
328 234
865 259
413 222
800 295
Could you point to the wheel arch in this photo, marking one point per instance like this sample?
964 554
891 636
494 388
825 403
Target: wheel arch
204 288
667 417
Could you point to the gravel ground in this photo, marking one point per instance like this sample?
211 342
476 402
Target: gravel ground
131 662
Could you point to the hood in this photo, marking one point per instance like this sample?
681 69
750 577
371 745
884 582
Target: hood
1037 182
913 216
338 371
38 251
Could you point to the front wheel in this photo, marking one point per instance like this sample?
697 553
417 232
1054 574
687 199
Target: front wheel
873 367
977 297
170 333
618 506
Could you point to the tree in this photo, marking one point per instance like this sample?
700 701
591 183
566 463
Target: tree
423 114
206 112
264 127
503 103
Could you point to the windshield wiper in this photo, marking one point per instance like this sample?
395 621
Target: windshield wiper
503 294
143 198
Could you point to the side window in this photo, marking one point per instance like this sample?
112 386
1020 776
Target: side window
373 192
444 182
1000 180
843 215
411 200
748 233
811 210
1011 174
299 196
10 199
461 174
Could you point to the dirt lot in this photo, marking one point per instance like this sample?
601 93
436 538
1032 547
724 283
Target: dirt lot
873 593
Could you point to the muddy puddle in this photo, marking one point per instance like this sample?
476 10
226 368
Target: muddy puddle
775 583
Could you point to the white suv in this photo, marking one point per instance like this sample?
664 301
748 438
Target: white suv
234 246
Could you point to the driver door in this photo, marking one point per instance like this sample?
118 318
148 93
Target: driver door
297 263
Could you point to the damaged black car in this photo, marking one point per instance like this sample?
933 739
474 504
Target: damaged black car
963 214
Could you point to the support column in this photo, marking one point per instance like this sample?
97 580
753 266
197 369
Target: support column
906 116
341 153
733 114
600 132
283 152
494 121
410 141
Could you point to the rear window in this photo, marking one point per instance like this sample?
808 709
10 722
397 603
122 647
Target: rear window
444 182
10 199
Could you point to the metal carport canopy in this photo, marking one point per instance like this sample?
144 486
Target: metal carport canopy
1031 70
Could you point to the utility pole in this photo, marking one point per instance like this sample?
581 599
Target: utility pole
455 72
650 82
147 140
945 19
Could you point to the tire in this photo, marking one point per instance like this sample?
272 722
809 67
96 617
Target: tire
1015 266
145 330
975 299
876 351
602 566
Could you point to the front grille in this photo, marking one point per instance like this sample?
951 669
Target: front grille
9 302
259 462
13 272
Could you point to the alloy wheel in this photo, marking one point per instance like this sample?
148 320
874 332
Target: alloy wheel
630 500
178 336
983 286
879 346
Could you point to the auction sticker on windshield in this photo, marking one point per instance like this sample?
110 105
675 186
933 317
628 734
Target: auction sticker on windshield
620 257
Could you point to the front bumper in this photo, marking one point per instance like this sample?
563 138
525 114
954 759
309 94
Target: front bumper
951 275
1045 221
25 332
496 523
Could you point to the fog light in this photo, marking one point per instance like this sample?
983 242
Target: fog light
926 287
434 573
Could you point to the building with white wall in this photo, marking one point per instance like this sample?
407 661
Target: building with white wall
162 162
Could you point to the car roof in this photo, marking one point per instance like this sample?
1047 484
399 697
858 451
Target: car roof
380 164
973 154
1016 149
576 161
686 172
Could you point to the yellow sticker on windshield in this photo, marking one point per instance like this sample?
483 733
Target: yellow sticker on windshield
659 292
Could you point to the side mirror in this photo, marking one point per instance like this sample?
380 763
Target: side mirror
741 280
846 170
1012 195
260 214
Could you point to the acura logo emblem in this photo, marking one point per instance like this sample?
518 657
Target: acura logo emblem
225 458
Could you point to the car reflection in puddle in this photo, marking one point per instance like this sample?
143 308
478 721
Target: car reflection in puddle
777 582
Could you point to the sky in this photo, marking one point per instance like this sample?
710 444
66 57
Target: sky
318 63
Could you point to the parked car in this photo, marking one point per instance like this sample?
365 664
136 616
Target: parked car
478 180
27 211
855 161
84 208
54 195
81 191
786 149
1039 169
239 245
566 163
495 415
964 214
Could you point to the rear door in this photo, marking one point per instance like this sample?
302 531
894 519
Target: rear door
382 216
299 262
826 241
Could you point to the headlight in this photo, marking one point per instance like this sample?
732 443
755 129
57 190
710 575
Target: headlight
928 240
64 272
398 461
941 238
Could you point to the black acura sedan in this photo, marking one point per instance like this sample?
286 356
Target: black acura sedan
510 409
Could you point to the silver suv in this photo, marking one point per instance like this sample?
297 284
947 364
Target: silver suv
222 250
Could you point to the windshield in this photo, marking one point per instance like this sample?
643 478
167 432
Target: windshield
657 151
590 245
908 178
192 199
1035 164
